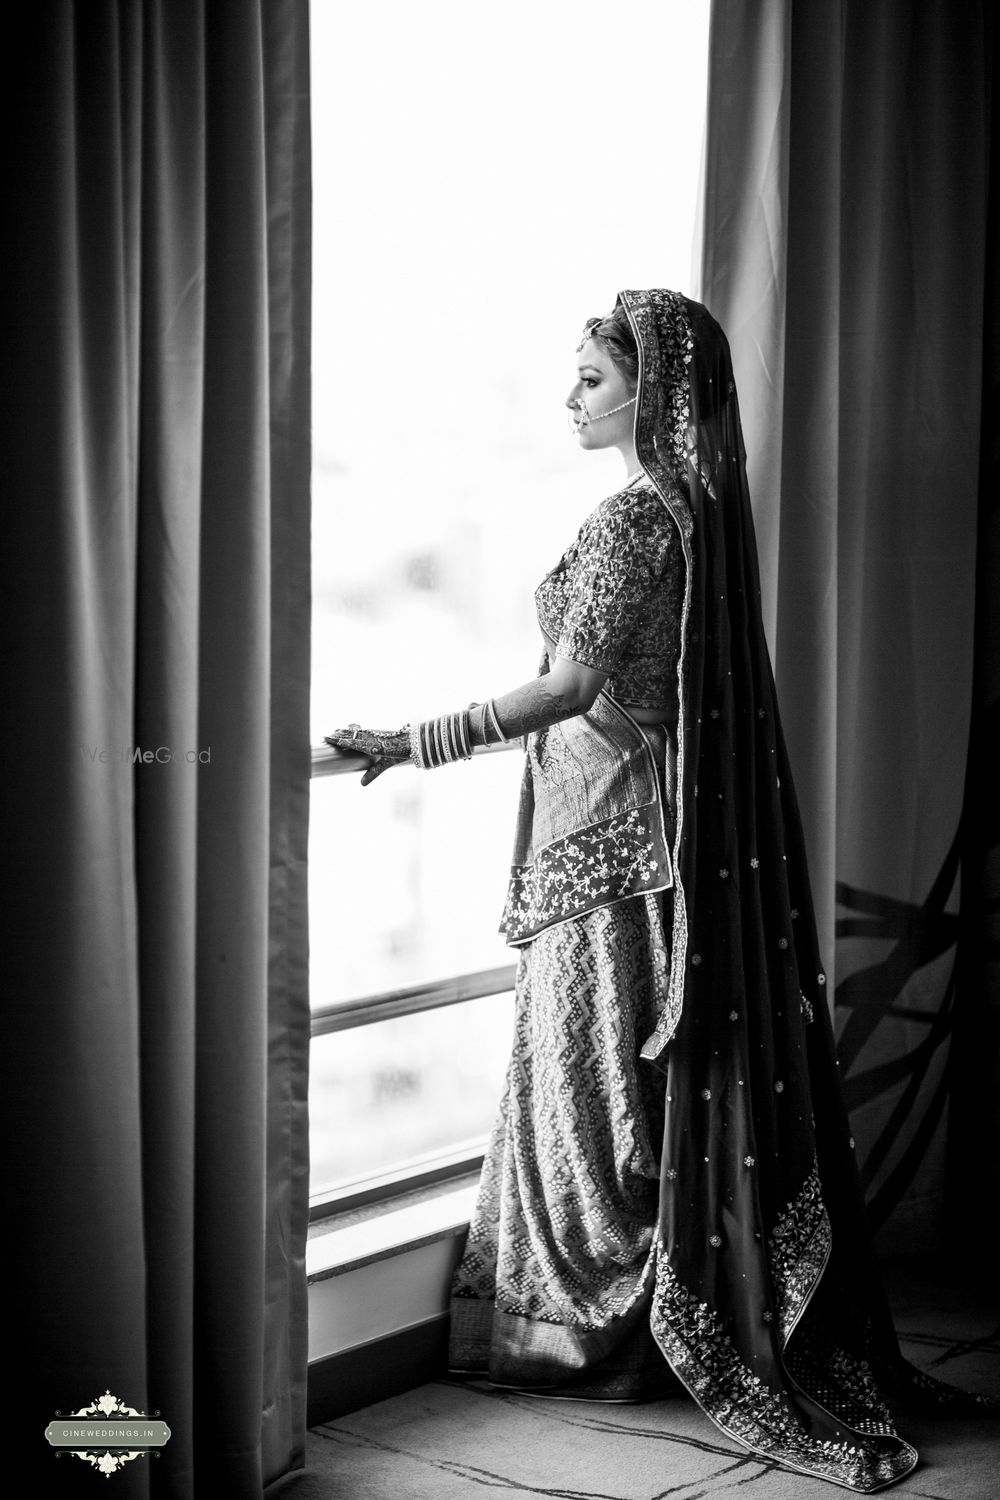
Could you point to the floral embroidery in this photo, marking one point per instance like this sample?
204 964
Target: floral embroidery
663 328
841 1384
613 601
797 1249
807 1009
749 1161
715 1240
606 862
694 1340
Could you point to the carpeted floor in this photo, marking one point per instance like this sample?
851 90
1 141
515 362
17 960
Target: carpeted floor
447 1441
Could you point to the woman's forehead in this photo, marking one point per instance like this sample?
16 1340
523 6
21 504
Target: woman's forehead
593 356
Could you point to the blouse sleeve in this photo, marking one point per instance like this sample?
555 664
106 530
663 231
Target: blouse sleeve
617 566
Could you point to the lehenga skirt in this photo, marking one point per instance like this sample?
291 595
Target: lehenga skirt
670 1196
554 1288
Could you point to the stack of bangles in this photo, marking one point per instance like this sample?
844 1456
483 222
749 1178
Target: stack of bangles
437 742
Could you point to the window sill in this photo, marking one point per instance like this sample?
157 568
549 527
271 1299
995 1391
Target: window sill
361 1236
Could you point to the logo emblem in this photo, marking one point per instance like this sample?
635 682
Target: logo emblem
108 1434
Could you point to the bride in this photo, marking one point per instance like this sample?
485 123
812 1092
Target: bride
670 1191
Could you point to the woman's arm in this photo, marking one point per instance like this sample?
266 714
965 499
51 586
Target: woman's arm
565 690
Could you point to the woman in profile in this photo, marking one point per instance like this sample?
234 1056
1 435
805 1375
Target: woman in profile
670 1189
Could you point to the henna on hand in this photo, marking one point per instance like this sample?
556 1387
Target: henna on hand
565 689
382 747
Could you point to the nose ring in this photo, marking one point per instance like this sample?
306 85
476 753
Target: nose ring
579 417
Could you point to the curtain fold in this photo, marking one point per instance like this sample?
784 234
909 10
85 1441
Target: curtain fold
156 441
843 250
973 1181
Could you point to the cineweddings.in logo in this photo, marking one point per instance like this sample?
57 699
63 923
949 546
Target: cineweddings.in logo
135 755
107 1434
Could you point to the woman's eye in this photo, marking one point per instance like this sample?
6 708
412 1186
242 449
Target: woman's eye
589 380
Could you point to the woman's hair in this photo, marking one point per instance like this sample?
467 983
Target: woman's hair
614 333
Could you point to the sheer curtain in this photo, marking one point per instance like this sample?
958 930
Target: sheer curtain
843 250
156 457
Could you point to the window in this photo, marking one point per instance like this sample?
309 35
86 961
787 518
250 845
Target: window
484 179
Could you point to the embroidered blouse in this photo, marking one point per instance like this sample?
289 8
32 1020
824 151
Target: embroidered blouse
613 601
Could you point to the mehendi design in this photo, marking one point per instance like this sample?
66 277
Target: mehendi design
534 706
379 744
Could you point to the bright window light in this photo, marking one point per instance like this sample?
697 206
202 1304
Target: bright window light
485 179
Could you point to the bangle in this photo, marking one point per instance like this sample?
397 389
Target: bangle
437 742
505 739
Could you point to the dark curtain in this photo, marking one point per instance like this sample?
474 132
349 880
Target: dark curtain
844 251
155 304
973 1182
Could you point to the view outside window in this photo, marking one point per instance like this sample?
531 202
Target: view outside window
484 180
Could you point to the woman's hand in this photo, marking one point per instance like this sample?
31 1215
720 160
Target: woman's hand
383 747
568 688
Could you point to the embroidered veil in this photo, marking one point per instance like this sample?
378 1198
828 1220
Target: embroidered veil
766 1303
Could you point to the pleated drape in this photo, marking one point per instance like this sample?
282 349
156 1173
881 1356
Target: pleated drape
843 250
156 453
973 1178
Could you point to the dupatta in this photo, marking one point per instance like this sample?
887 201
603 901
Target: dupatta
766 1304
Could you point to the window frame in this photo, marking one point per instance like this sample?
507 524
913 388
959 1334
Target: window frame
433 1167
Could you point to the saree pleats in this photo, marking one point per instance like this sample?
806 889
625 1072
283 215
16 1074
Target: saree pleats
555 1284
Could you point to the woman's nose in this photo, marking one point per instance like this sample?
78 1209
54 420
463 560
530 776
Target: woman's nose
573 397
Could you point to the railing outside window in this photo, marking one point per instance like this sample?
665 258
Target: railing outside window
483 988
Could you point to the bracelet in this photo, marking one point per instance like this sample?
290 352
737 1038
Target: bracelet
504 738
438 742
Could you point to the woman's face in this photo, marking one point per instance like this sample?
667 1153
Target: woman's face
601 387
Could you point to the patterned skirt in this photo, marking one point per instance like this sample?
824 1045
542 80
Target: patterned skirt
554 1289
